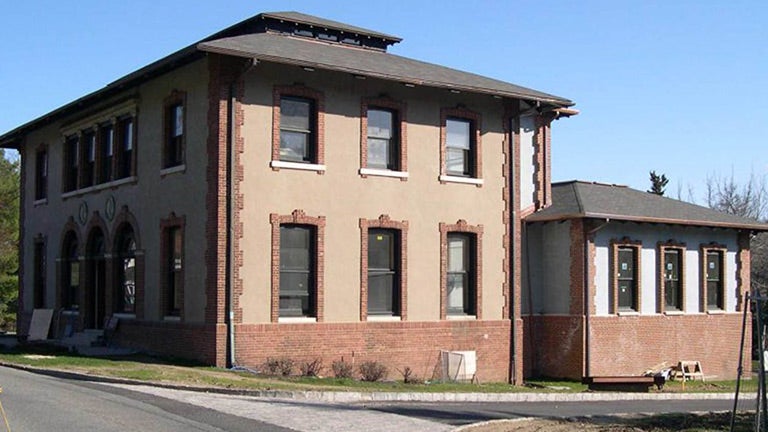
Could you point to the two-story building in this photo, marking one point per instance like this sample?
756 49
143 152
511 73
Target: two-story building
288 188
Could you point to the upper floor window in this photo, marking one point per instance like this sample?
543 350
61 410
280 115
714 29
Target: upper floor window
383 148
107 152
125 143
41 174
88 163
297 130
297 140
713 277
460 146
175 131
71 162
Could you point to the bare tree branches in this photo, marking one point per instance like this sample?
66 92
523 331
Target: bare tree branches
748 200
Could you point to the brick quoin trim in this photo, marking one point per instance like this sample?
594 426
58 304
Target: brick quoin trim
172 221
402 227
299 90
543 160
298 217
461 226
400 113
637 245
743 268
703 249
661 248
465 114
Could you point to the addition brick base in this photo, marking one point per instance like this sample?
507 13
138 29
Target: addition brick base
629 345
189 341
397 345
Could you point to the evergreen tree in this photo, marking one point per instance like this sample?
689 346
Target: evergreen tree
658 183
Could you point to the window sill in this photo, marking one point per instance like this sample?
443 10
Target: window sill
98 187
296 320
383 173
40 202
173 170
464 180
716 312
172 318
674 312
277 164
384 318
70 312
124 316
628 313
460 317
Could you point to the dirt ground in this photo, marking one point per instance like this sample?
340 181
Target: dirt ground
660 423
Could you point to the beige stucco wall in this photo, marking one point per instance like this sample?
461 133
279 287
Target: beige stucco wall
150 196
343 196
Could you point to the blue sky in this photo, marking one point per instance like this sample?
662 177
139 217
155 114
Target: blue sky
680 87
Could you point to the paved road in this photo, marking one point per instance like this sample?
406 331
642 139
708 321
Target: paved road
36 403
40 403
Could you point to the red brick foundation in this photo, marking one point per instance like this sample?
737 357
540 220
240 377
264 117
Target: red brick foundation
396 344
188 341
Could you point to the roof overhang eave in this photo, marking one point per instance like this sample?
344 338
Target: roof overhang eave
557 102
641 219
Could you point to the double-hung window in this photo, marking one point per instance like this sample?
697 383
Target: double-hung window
460 277
71 162
714 279
673 279
626 278
125 143
383 272
459 154
174 120
382 139
297 130
88 173
41 174
107 152
174 270
297 270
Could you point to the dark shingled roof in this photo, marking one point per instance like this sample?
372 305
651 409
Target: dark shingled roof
577 199
328 24
303 52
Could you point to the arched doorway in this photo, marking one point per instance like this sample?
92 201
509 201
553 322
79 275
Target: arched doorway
96 277
125 271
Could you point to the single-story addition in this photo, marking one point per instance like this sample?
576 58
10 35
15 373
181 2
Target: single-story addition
618 280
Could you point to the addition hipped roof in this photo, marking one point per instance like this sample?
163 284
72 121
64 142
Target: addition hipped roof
578 199
304 40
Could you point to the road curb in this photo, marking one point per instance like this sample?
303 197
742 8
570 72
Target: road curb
379 397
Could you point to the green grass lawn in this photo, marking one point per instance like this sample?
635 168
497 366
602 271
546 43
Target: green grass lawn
172 371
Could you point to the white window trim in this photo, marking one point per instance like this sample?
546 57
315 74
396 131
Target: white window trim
716 311
460 317
383 172
628 313
296 166
41 201
173 170
385 318
296 320
457 179
674 312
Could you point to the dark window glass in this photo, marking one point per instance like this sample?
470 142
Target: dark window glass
461 275
175 270
458 147
107 152
714 273
40 267
125 148
673 293
174 148
297 130
627 282
70 274
41 174
297 270
89 159
71 163
383 272
125 297
382 140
